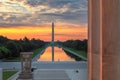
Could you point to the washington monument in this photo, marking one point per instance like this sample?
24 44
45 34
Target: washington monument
52 41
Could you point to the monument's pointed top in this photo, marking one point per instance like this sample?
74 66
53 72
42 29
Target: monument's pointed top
52 19
52 22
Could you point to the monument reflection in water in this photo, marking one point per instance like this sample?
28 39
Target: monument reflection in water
59 55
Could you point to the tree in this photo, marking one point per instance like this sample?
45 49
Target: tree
3 40
76 44
13 47
4 52
26 39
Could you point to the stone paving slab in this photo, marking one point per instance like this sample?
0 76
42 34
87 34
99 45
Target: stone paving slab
50 75
59 74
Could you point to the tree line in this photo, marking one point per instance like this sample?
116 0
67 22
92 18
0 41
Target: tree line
11 48
76 44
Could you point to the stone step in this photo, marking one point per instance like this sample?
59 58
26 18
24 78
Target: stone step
51 75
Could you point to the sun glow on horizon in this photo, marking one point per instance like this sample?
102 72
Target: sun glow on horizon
62 33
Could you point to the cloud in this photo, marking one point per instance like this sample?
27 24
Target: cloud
70 17
57 3
35 3
39 12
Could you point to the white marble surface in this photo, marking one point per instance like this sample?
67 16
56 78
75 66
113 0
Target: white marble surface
60 74
77 74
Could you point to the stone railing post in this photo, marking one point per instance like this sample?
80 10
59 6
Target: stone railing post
26 58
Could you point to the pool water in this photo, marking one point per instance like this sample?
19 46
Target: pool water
59 55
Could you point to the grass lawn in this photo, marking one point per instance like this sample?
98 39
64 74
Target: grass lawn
16 59
82 53
8 74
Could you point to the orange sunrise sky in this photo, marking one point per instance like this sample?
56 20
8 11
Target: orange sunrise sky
33 19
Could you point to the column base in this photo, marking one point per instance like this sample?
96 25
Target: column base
25 76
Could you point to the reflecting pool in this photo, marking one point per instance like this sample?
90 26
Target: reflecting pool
59 55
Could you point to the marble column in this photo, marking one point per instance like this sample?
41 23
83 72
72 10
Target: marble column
94 40
104 40
110 39
1 74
